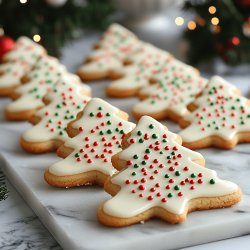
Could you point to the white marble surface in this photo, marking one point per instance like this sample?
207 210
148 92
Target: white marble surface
70 214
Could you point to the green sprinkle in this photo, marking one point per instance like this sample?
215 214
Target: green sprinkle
170 195
166 176
136 166
151 126
177 173
134 173
141 140
154 136
176 187
91 114
147 151
193 175
212 181
139 133
135 157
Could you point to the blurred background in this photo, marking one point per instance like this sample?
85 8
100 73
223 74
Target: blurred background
213 34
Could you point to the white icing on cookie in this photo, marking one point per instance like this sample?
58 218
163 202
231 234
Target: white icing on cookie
221 112
19 61
66 100
11 73
42 79
146 63
24 50
116 44
117 41
161 173
101 134
102 64
177 86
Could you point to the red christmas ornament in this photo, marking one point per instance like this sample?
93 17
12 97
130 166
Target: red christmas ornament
6 44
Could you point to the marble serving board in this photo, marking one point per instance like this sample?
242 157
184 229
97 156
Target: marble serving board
70 214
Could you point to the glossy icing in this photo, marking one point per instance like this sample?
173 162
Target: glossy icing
102 64
11 73
117 41
177 86
116 44
221 112
66 100
42 78
146 64
19 61
161 173
101 133
24 50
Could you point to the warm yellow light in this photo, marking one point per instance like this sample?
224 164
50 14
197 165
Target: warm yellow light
36 38
23 1
191 25
211 9
179 21
215 20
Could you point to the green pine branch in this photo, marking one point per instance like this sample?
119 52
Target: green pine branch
206 44
55 25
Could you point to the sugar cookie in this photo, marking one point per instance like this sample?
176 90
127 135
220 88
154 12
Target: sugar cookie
145 65
108 57
160 178
18 62
177 85
64 102
221 117
28 97
100 129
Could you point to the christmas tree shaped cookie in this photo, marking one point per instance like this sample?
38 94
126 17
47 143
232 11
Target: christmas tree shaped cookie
28 97
101 129
65 100
107 59
145 64
160 178
221 117
18 62
177 85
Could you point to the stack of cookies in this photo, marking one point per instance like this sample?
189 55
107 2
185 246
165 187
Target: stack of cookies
147 169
